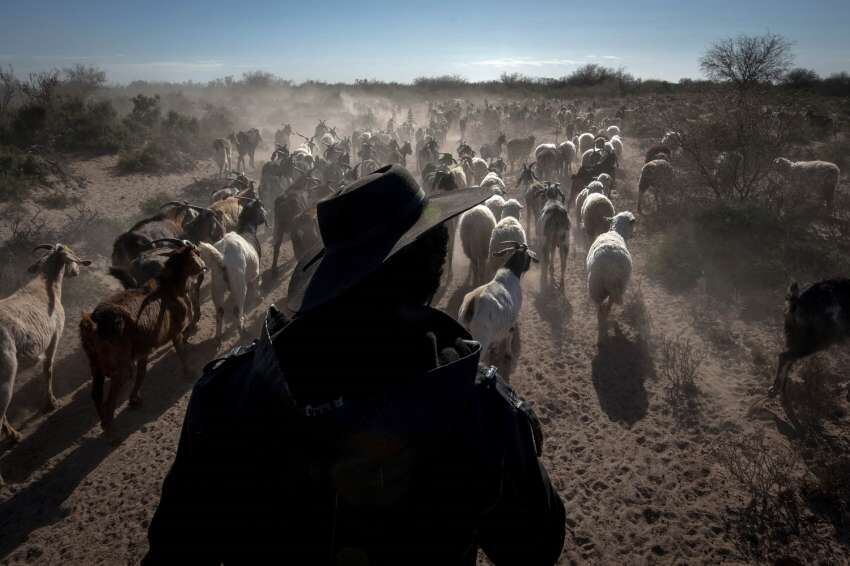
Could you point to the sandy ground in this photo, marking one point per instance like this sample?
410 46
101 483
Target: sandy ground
641 485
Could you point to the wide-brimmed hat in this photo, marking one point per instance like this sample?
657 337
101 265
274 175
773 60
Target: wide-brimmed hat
364 225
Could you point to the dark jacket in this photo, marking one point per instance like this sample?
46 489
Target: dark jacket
383 444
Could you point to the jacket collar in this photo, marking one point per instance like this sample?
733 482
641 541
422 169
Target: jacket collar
267 373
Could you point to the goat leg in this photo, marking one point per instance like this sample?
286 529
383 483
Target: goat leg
49 355
180 348
786 359
141 372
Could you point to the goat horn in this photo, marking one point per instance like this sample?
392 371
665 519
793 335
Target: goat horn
174 203
50 247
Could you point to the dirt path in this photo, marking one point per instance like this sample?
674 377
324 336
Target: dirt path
640 486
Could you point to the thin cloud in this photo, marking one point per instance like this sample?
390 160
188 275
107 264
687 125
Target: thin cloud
611 57
524 62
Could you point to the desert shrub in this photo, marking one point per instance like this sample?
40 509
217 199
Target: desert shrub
766 473
26 229
87 126
57 199
216 122
154 157
20 173
151 206
679 361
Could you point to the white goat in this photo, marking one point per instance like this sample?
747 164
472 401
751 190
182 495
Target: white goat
31 323
490 312
235 267
476 228
609 267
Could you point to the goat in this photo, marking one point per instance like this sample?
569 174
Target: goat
168 223
221 146
554 226
491 311
815 319
518 150
31 323
122 331
246 144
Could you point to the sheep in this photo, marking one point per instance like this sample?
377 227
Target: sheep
31 323
221 146
585 142
567 151
495 203
594 187
617 145
595 212
508 229
490 312
493 182
612 131
554 228
511 208
607 183
235 268
548 161
122 331
658 175
609 267
815 319
812 176
480 170
476 228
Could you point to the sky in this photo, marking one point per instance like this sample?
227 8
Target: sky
342 41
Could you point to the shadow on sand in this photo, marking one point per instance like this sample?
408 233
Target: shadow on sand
619 369
39 503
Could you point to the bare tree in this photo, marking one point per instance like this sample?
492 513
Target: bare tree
747 61
9 88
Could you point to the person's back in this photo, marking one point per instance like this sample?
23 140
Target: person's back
362 432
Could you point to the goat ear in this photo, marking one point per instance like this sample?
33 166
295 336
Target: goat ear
85 262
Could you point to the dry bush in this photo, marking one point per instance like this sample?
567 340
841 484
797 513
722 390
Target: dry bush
766 472
151 205
679 361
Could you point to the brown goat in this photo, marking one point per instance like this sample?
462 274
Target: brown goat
123 330
228 211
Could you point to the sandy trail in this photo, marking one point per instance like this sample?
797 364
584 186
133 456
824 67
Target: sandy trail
639 486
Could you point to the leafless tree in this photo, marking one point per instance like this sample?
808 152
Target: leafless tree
9 88
746 60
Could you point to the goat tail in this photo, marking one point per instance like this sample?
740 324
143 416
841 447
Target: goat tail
88 332
124 277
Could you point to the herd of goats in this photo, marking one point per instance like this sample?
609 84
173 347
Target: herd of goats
162 261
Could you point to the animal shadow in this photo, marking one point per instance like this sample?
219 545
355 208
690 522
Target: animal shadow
619 370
